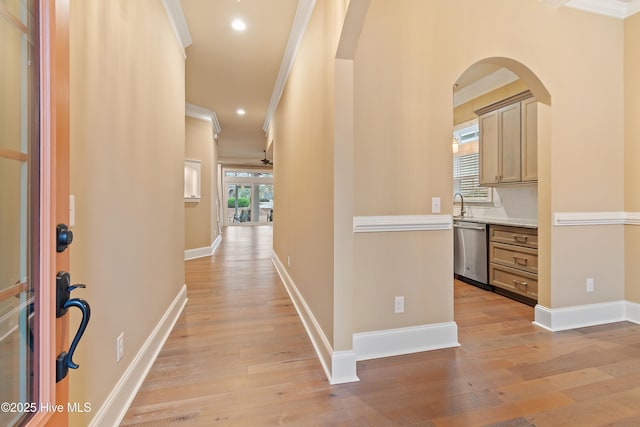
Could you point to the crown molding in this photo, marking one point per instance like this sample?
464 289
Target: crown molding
300 21
503 103
614 8
484 85
174 11
201 113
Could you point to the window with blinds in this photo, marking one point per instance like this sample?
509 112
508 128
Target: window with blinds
466 178
466 166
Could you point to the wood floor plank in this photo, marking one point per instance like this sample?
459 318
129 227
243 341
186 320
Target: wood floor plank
239 356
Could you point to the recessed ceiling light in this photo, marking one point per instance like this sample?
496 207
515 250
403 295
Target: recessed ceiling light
241 112
238 25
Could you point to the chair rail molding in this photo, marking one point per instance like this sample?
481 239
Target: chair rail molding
376 224
563 219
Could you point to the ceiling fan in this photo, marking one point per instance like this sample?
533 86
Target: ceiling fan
266 161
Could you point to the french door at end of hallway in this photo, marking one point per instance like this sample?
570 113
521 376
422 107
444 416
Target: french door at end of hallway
249 203
239 201
34 195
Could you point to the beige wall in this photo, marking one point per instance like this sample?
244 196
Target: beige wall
200 218
303 165
404 119
402 160
403 75
127 159
632 153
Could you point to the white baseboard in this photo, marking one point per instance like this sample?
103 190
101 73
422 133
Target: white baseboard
561 319
117 403
338 366
343 367
203 252
632 310
395 342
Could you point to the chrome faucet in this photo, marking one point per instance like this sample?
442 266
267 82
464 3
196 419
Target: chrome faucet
462 212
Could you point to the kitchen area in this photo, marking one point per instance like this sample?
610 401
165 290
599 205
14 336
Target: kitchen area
499 254
495 202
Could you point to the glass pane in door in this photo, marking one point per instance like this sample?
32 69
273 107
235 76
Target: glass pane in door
265 192
19 196
238 203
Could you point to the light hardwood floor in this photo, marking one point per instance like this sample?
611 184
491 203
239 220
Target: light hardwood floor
239 356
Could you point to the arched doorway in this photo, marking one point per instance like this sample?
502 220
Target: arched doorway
485 87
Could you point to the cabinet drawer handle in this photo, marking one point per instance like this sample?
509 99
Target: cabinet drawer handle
520 261
517 282
520 238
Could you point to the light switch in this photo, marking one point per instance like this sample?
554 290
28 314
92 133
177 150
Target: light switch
435 205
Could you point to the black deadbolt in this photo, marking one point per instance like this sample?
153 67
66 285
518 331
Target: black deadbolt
64 237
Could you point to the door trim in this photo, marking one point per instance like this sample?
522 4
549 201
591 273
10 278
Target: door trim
46 320
53 33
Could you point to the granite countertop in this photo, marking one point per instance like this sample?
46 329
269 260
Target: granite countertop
515 222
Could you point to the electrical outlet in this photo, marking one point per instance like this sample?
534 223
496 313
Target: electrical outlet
289 261
590 284
435 205
119 347
399 305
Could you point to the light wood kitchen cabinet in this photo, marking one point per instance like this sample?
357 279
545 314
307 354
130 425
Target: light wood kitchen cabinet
529 110
520 236
513 260
508 140
515 281
489 148
522 258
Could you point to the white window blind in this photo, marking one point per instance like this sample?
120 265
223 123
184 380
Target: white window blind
466 178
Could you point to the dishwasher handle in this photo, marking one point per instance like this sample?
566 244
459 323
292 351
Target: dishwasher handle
468 227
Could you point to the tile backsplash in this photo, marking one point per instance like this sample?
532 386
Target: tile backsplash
513 202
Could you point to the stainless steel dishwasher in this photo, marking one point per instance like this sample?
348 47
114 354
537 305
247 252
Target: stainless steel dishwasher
470 252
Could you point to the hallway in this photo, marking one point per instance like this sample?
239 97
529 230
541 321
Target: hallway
238 353
240 356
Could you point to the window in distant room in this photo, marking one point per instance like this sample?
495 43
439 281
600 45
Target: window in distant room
466 163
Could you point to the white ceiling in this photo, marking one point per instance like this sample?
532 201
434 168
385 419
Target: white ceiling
227 70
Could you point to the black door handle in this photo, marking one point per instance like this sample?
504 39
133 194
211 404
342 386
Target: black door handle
64 361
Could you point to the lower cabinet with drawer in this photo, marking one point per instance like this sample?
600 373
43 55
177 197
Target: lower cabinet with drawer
513 262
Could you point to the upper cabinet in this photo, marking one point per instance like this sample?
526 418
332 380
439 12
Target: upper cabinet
529 143
508 140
